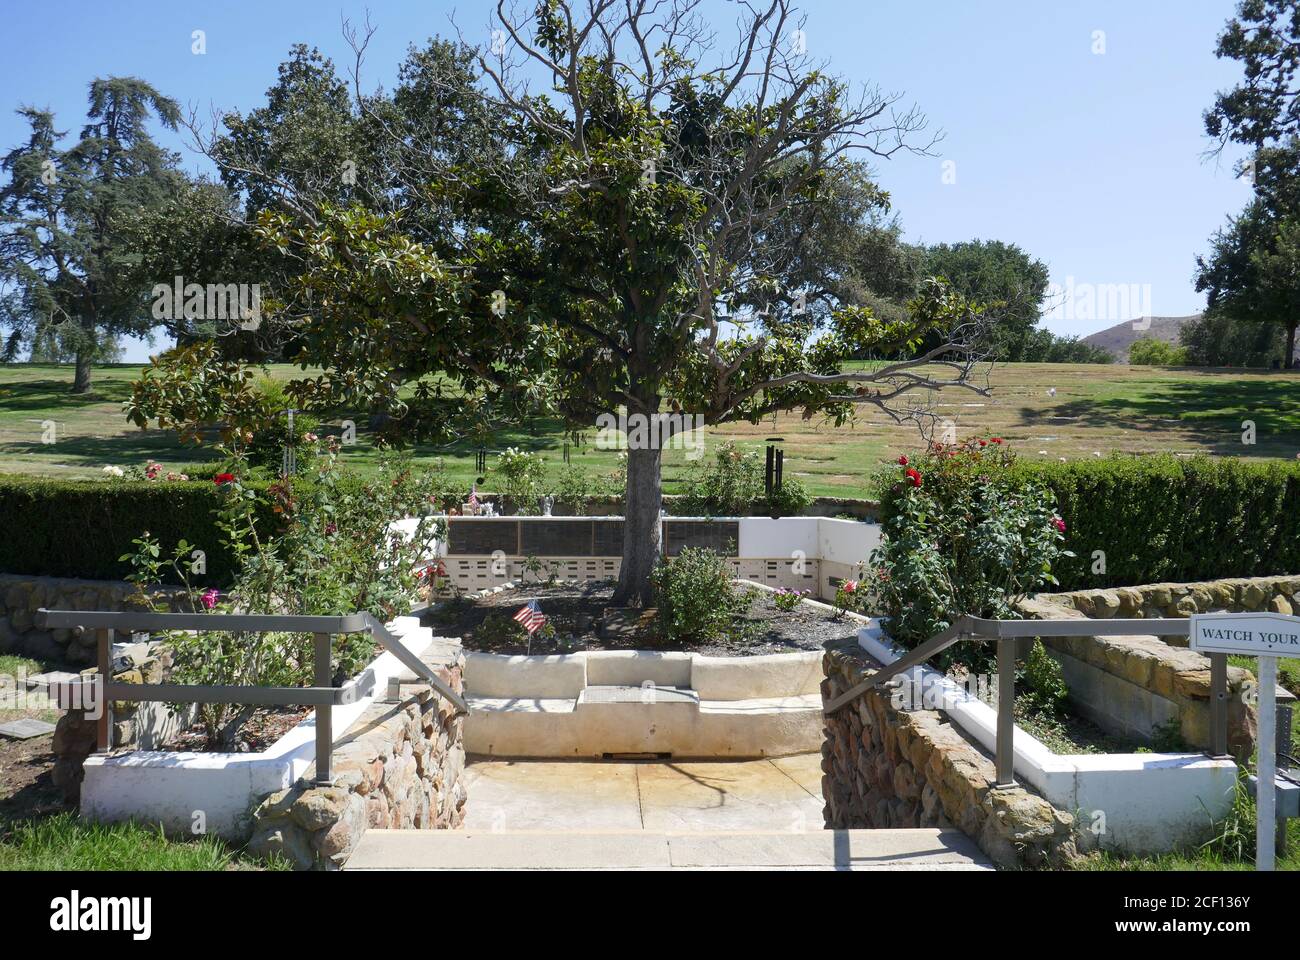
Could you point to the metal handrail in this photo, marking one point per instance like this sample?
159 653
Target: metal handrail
322 695
1007 632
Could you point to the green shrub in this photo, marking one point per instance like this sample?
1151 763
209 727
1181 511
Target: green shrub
520 474
573 488
1148 351
964 534
1040 680
266 449
1150 519
730 484
1134 520
334 553
695 595
72 528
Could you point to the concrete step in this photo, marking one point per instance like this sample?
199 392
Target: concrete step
926 849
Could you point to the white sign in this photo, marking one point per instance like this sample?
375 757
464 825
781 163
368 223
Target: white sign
1267 636
1251 634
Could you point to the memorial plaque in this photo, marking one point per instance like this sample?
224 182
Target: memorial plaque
607 539
720 536
483 537
555 538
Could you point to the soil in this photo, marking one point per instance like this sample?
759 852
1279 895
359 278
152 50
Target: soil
26 789
583 618
267 725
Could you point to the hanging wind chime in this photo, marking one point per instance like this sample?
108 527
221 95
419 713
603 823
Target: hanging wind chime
772 473
289 459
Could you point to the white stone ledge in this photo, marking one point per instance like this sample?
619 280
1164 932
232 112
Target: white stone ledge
171 787
1148 802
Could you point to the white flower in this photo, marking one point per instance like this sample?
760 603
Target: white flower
114 471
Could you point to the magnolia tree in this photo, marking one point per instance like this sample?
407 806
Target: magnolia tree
639 234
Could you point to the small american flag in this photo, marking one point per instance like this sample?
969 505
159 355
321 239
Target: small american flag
473 498
530 616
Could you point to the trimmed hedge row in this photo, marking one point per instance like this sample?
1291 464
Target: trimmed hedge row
1166 518
1176 519
68 528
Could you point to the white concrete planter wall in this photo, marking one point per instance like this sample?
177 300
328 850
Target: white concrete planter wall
630 702
805 553
1132 802
180 790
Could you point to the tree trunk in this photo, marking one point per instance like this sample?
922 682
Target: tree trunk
81 381
85 351
641 533
1290 345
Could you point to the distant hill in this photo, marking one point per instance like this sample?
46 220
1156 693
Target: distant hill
1117 339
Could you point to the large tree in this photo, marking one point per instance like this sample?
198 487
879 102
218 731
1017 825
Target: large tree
635 236
62 246
993 271
1252 274
1253 271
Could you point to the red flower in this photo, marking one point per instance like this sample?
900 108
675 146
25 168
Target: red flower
913 477
1059 523
222 478
984 443
996 440
903 461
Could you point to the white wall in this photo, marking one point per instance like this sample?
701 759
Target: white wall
846 541
172 787
1145 802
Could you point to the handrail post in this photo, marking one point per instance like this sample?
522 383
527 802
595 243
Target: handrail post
1006 756
1219 704
104 662
324 712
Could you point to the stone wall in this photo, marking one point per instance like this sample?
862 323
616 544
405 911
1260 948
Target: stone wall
1137 685
885 767
400 766
21 596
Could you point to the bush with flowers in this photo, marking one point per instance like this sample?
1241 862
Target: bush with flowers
963 533
785 599
850 595
329 551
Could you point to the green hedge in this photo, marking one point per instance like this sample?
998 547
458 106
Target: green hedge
1167 518
68 528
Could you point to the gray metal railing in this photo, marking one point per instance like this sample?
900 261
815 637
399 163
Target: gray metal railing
322 695
1007 632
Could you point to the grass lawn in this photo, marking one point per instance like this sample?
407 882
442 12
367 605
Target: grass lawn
64 842
1095 409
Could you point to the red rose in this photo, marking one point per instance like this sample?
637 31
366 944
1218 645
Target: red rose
914 478
903 461
223 478
984 443
1060 524
996 440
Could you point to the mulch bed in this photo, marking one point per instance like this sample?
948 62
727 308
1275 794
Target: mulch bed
584 618
267 725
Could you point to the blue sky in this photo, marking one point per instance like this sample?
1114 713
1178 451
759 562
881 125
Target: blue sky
1091 161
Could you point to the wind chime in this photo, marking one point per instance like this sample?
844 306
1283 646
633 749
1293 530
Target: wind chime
289 459
772 473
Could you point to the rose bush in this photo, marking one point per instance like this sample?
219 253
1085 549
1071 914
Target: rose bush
332 551
962 533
